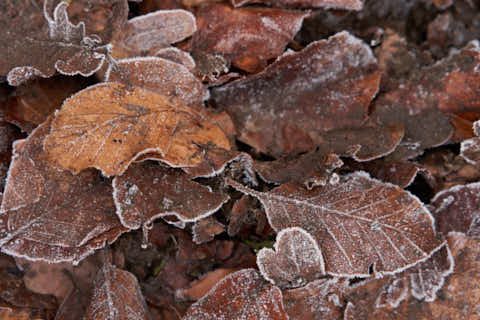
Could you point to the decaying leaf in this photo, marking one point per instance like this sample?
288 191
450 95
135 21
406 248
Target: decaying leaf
240 295
107 125
297 259
50 215
286 108
247 38
34 43
470 148
148 191
458 210
357 223
205 229
160 76
325 4
116 295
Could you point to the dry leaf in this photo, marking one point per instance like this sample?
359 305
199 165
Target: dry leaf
108 125
50 215
206 229
358 223
470 148
148 191
287 108
178 56
240 295
8 134
201 287
297 259
116 295
247 38
325 4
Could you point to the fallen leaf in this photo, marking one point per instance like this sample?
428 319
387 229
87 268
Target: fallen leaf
457 209
43 44
206 229
470 148
247 38
50 215
147 191
201 287
297 259
116 295
331 84
108 125
8 134
357 223
240 295
178 56
325 4
160 76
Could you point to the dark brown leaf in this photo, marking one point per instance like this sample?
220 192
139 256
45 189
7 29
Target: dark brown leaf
241 295
470 148
201 287
38 44
247 38
287 108
325 4
206 229
8 134
357 222
50 215
297 259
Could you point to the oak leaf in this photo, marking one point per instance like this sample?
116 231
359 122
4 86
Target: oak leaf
357 223
108 125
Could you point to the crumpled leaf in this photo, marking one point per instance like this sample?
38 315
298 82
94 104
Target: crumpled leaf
286 108
108 125
33 43
116 295
297 259
457 209
50 215
247 38
160 76
357 222
240 295
325 4
148 191
470 148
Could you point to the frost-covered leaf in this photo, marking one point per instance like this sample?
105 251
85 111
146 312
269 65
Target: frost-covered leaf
147 191
247 38
470 148
206 229
287 108
297 259
35 43
458 210
8 134
116 295
160 76
357 222
107 125
176 55
241 295
325 4
50 215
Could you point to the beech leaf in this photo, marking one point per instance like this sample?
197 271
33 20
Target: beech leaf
50 215
357 222
297 259
107 125
241 295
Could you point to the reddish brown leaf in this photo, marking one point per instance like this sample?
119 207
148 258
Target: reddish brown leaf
43 44
116 295
470 148
357 223
148 191
50 215
160 76
108 125
286 108
241 295
201 287
325 4
178 56
297 259
247 38
458 210
206 229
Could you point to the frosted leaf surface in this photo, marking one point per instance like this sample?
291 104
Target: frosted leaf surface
116 295
458 210
247 38
160 76
470 148
176 55
241 295
107 125
325 4
50 215
147 191
43 43
297 259
206 229
286 108
357 222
